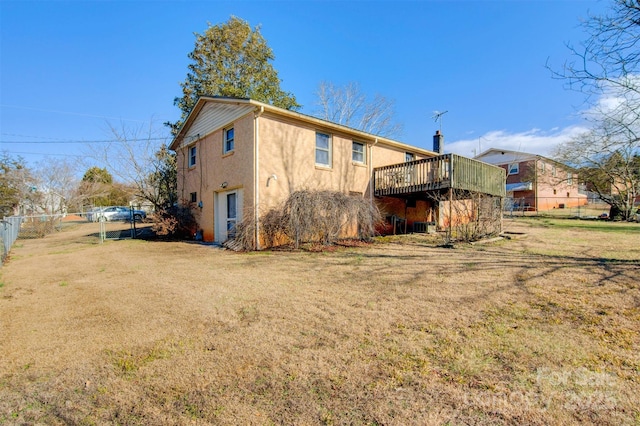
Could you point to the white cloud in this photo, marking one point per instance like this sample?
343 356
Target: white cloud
614 96
537 141
534 141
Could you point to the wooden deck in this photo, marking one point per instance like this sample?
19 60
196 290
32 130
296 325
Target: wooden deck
437 174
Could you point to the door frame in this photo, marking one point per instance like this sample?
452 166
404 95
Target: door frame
220 218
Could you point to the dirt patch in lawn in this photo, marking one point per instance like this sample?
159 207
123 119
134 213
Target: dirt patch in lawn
536 330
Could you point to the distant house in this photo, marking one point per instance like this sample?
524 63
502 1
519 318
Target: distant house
534 182
239 158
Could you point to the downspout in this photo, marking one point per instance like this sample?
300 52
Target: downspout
256 176
371 171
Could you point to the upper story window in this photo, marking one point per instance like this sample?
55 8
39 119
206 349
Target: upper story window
542 167
409 156
229 140
514 169
553 171
569 178
357 152
192 156
323 149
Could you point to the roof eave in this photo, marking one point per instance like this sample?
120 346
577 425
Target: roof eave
202 100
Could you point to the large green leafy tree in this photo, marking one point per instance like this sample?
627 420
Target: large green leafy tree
234 60
97 188
97 175
15 184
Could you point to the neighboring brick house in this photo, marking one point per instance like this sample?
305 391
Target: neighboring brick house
535 182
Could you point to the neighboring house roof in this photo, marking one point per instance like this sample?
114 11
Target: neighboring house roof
233 108
498 156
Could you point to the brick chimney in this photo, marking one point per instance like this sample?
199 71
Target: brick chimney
438 142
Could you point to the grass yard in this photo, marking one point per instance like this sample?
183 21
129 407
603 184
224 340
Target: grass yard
540 329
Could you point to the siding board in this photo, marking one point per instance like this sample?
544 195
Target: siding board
214 116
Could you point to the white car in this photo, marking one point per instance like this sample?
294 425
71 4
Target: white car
121 213
93 215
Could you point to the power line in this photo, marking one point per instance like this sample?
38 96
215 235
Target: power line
48 154
28 136
43 153
72 113
52 142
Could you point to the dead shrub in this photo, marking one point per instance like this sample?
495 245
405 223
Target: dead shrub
322 217
176 222
39 227
471 216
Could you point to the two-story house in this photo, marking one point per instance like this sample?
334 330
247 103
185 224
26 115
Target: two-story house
238 158
534 182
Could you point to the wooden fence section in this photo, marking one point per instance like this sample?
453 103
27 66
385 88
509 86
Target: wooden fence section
437 173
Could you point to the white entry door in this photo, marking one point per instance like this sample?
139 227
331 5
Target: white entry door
227 214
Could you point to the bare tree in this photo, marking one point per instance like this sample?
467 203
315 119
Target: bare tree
347 105
608 160
56 184
607 69
138 156
609 58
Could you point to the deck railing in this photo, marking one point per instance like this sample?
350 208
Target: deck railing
437 173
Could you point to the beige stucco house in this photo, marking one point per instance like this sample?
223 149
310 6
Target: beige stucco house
237 158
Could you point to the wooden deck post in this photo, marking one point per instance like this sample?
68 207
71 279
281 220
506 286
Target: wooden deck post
450 213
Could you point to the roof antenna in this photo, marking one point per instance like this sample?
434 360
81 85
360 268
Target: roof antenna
437 116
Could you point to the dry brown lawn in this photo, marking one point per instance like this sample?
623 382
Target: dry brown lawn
542 329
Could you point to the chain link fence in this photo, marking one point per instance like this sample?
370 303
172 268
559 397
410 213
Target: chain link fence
564 207
26 227
9 234
14 228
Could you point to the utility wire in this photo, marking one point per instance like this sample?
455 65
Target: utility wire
45 154
76 141
72 113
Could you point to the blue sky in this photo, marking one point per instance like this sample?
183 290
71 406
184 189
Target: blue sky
68 69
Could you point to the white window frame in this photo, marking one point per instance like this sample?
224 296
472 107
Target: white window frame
231 221
193 152
514 169
229 140
222 221
328 150
361 153
408 175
